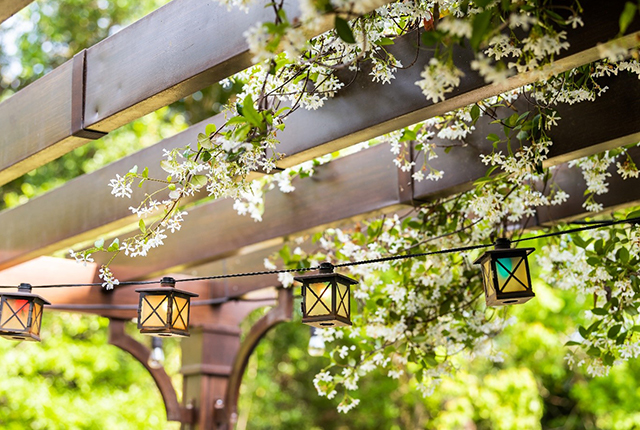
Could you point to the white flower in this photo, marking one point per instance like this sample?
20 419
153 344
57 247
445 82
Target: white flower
108 278
286 279
121 186
438 79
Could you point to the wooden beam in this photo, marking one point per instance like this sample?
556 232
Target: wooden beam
43 121
8 8
69 220
585 129
176 50
624 193
361 184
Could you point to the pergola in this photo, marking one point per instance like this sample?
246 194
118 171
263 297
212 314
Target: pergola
159 60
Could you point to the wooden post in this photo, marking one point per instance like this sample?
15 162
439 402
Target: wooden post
207 358
214 360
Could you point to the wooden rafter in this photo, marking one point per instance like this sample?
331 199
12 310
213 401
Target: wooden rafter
169 54
585 128
8 8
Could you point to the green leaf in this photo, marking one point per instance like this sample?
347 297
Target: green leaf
493 137
583 332
143 228
608 359
480 26
572 343
475 113
199 180
204 141
599 311
613 331
252 114
430 38
99 243
385 41
344 30
623 255
634 214
580 241
210 129
627 15
115 245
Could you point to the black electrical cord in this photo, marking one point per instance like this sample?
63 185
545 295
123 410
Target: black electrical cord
593 226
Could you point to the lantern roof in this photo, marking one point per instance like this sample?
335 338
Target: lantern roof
21 295
166 290
326 276
505 251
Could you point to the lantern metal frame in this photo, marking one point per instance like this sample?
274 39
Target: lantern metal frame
167 327
494 295
30 330
339 301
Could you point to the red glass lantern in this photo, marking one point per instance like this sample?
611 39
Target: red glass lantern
21 314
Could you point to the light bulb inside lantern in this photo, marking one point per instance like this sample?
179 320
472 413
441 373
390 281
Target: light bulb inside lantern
316 343
156 358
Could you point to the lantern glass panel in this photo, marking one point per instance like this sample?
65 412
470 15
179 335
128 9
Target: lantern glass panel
37 318
318 299
180 313
512 274
487 273
343 301
15 314
154 311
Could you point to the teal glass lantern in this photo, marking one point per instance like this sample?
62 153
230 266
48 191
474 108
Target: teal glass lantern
505 274
326 298
21 314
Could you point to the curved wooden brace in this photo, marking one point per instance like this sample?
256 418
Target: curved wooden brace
122 340
282 312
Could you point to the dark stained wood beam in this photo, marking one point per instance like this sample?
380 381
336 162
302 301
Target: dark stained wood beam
584 128
624 193
364 183
43 121
176 50
114 86
8 8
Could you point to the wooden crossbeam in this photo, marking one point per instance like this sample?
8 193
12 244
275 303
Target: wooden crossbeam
121 80
343 189
176 50
623 194
70 220
8 8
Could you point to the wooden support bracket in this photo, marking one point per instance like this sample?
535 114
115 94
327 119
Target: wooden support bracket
119 338
78 98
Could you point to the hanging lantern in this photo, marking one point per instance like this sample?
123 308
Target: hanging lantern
326 298
505 274
21 314
164 311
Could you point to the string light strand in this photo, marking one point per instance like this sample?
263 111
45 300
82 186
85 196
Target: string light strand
591 226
